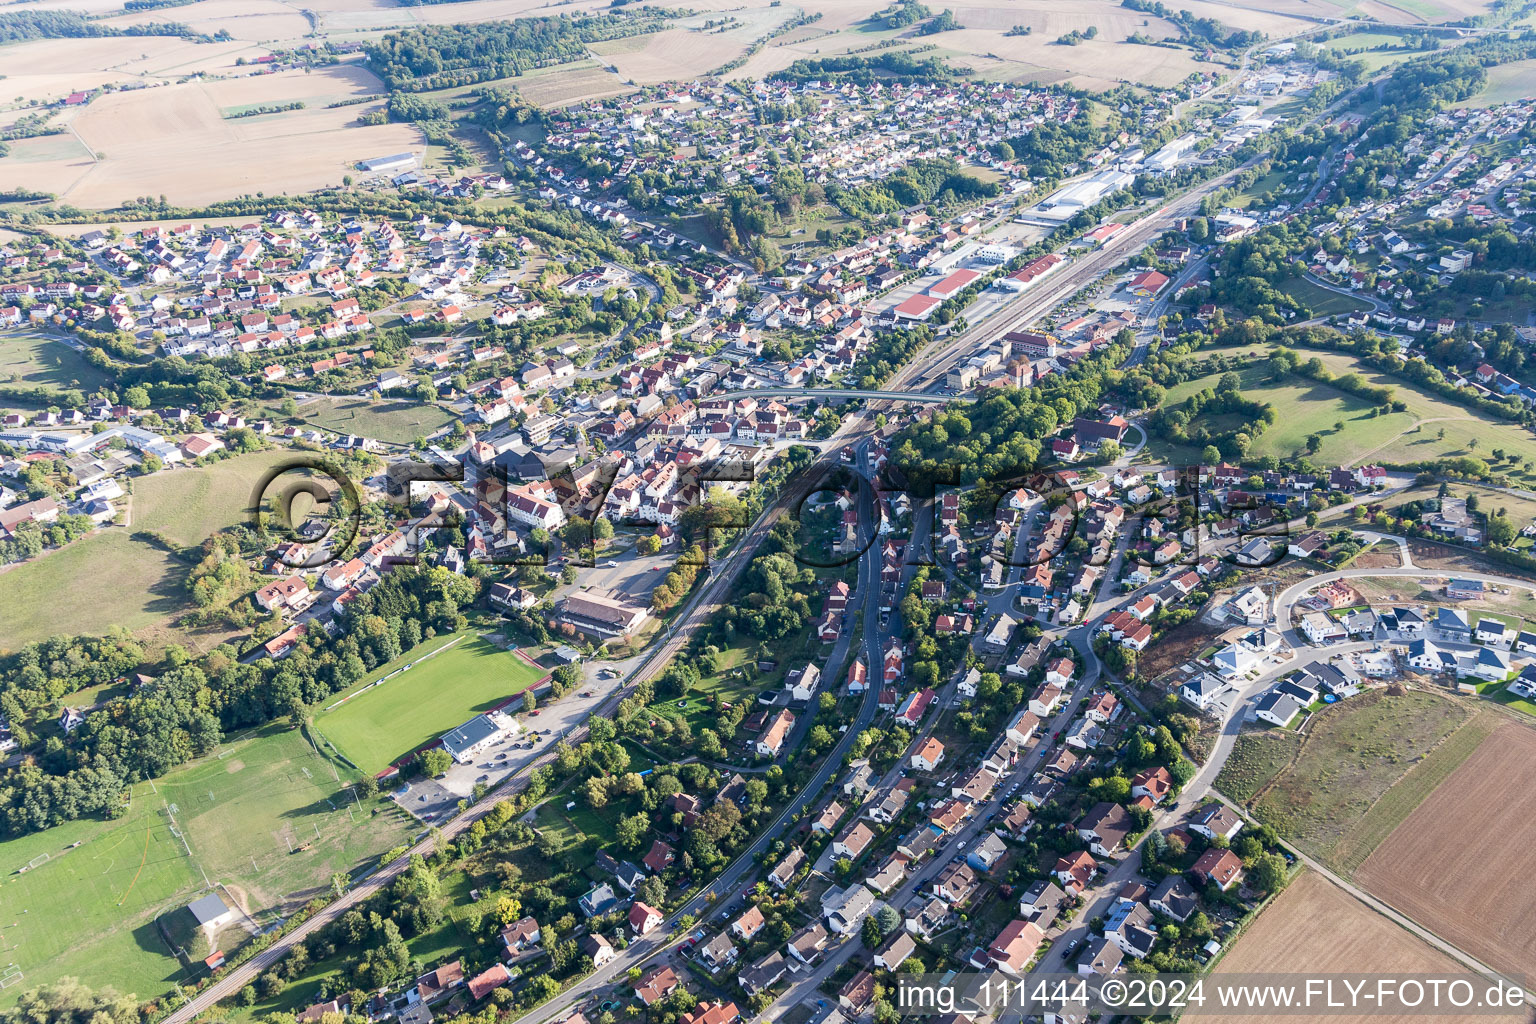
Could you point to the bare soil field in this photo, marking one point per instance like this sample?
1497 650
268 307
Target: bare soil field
1314 926
1459 864
1381 556
1174 648
177 140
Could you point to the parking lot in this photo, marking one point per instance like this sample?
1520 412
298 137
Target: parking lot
531 735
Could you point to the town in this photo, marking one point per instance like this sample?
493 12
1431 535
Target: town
757 540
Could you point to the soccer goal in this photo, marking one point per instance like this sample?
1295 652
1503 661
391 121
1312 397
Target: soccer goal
10 975
38 861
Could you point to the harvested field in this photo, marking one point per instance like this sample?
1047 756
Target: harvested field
133 133
1435 867
1314 926
267 20
342 16
571 83
52 68
675 53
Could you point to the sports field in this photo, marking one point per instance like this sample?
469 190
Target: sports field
238 813
379 726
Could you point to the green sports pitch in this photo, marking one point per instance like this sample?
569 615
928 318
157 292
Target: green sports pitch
379 726
266 817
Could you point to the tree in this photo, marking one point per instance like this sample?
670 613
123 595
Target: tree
434 762
630 831
1501 530
507 910
530 702
339 882
1211 456
653 891
871 933
1267 872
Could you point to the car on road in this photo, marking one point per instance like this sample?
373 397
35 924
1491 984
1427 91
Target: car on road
536 711
1072 947
482 778
610 564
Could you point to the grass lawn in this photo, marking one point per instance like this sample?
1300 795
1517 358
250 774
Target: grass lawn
31 359
234 812
400 421
189 505
1304 407
1352 754
107 579
378 727
1321 301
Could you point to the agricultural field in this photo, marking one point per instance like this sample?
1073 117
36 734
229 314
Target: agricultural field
237 810
379 726
1506 82
565 84
400 421
127 135
1378 49
1314 926
30 359
1304 407
190 504
49 69
1427 869
1352 754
